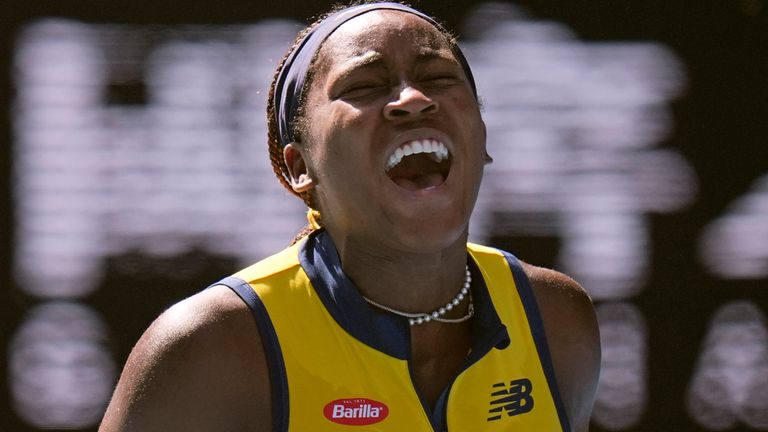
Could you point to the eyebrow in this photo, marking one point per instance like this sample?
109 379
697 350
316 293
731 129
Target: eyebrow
375 60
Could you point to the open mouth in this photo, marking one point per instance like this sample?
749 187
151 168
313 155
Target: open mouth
419 164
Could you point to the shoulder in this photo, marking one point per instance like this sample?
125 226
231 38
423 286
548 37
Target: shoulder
557 291
203 352
574 341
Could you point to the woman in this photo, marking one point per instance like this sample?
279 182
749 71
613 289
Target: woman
382 315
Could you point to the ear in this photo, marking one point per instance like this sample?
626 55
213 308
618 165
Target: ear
488 158
297 169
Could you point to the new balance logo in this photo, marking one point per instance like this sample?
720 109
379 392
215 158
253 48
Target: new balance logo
514 399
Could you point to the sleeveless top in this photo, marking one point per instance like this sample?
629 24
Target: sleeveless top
336 362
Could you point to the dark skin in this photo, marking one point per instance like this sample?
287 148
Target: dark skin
382 79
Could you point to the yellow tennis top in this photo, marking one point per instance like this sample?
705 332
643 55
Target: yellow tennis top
339 364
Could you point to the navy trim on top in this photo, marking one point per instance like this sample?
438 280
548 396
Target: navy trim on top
380 330
488 332
537 332
276 365
383 331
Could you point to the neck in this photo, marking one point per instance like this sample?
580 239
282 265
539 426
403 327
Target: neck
406 281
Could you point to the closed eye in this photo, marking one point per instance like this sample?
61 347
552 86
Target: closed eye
442 79
363 89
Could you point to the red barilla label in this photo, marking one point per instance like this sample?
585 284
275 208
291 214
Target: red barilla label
355 411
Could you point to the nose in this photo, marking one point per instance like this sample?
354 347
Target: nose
410 103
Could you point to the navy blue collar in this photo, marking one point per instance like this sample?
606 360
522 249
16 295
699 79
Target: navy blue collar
381 330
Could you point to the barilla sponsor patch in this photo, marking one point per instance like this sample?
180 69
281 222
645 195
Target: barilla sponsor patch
355 411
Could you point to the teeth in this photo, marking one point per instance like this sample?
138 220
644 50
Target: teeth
434 148
399 155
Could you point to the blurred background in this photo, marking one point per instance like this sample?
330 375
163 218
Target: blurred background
631 151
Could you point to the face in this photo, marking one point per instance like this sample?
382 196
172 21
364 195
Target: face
394 144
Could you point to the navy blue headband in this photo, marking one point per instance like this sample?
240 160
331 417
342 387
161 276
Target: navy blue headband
290 81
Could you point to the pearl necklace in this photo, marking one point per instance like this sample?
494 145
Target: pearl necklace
437 315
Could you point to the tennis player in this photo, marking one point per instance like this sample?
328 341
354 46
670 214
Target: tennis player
380 316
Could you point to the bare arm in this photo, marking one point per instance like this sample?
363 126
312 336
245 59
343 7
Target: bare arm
199 367
574 340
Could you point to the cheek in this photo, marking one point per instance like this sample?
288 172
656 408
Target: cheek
347 130
347 117
464 101
471 122
339 140
328 121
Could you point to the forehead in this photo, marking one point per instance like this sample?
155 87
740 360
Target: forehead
383 32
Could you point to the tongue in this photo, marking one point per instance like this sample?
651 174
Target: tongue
420 182
418 172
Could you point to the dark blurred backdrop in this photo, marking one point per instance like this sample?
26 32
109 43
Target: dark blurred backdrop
645 131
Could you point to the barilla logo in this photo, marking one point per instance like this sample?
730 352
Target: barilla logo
355 411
